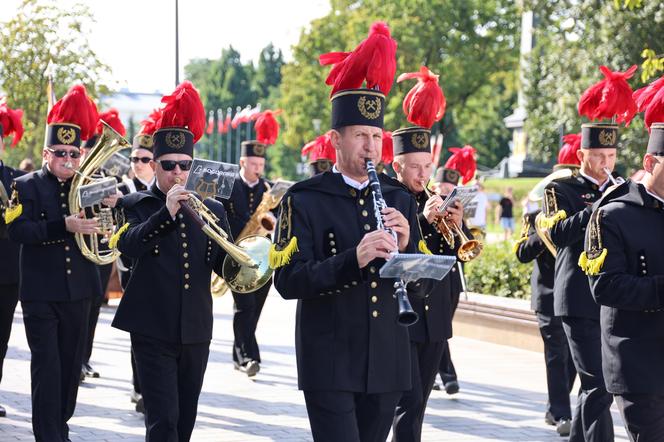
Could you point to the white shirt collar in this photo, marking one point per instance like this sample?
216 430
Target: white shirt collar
351 182
594 181
252 184
146 183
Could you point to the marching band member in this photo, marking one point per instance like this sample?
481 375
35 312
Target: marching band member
167 306
352 356
57 283
10 124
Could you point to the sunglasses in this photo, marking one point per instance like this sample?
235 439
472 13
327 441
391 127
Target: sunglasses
63 153
169 165
144 160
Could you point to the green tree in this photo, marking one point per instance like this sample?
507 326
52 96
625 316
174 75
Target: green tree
471 44
36 35
572 40
268 73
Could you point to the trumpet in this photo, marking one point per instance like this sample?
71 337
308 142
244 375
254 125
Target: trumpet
245 268
614 181
469 249
407 316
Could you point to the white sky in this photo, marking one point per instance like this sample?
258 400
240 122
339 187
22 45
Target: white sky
136 38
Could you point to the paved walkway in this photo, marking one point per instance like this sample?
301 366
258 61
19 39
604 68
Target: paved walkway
502 390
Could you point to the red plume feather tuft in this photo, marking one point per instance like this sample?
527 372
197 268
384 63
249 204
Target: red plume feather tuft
267 127
183 108
644 96
10 119
387 154
655 110
567 154
425 102
112 118
609 98
463 161
320 149
373 60
149 125
76 107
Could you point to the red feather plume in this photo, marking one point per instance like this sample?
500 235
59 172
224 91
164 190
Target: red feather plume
609 98
320 149
183 108
76 107
425 102
387 154
10 119
267 127
644 96
149 125
463 161
655 110
112 118
373 60
567 154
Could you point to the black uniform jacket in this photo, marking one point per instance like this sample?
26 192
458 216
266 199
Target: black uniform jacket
630 289
541 280
8 249
347 337
435 308
575 195
243 203
52 266
168 294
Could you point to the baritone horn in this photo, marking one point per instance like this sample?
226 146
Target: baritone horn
91 245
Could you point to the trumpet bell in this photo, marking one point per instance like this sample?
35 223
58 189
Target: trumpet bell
470 250
242 278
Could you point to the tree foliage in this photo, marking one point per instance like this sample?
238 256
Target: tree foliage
36 35
470 44
572 40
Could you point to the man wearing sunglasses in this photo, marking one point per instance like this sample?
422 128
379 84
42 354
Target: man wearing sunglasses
167 305
624 238
57 282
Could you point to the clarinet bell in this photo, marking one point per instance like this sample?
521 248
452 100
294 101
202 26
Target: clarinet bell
407 316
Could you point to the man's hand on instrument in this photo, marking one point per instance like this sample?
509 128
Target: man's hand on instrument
376 244
174 196
111 201
80 224
431 208
454 213
393 219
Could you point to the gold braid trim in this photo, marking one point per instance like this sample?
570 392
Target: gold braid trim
13 212
113 242
422 247
279 258
594 265
518 242
547 222
592 259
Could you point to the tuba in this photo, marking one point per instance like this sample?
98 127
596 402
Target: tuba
246 267
108 144
469 249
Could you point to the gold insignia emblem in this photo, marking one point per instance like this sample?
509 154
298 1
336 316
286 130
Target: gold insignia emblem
324 165
420 140
607 137
145 141
175 140
369 108
66 135
259 149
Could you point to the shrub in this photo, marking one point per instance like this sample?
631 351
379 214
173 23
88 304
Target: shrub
498 272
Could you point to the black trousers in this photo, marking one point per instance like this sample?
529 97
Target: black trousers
591 421
134 371
95 306
8 301
643 415
337 416
56 335
409 414
247 310
560 371
446 369
171 377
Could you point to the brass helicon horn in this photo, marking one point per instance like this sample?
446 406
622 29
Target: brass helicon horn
109 143
246 266
469 249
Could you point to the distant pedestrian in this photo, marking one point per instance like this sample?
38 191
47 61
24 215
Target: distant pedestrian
506 213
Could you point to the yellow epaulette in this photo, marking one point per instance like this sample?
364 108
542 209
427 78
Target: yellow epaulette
548 222
422 247
113 242
592 260
11 213
279 258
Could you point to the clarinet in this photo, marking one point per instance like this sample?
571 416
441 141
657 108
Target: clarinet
407 315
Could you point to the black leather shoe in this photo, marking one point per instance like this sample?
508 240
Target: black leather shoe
436 386
89 371
564 427
249 368
549 419
452 387
3 412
